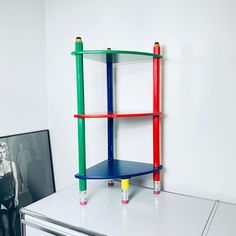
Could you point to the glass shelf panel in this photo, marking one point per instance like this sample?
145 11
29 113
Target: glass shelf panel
118 56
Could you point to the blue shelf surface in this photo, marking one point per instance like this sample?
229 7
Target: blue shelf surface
118 169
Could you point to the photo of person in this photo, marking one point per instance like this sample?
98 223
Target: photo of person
24 158
26 176
8 192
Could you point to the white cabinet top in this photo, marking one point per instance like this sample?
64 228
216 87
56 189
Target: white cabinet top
167 214
224 221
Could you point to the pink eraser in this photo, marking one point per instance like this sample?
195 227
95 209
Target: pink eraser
83 203
125 201
156 192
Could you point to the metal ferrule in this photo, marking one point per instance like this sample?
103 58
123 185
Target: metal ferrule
83 197
156 187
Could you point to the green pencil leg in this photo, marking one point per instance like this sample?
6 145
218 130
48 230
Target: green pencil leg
81 121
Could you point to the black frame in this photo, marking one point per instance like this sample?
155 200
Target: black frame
29 194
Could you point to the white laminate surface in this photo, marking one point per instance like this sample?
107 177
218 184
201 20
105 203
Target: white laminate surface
35 232
224 221
167 214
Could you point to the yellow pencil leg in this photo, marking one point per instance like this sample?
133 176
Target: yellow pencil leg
125 191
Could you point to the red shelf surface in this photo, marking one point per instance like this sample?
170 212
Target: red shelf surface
116 115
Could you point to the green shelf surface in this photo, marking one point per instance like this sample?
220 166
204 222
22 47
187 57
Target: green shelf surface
118 56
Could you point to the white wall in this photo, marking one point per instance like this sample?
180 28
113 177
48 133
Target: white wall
23 96
198 41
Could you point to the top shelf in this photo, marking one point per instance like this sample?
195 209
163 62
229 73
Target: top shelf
117 56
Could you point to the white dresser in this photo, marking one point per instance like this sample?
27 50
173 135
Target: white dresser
167 214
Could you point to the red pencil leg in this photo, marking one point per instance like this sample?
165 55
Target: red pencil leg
156 120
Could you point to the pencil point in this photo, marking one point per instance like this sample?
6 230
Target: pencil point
78 39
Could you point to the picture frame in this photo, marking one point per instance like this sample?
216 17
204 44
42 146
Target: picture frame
28 168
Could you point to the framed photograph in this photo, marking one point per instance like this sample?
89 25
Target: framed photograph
26 175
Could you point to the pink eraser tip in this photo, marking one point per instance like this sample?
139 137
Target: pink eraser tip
83 203
156 192
125 201
110 184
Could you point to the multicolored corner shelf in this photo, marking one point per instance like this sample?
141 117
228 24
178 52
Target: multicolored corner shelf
112 168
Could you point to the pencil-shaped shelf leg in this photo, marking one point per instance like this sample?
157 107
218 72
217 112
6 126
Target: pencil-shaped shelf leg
156 119
111 183
81 122
110 124
125 191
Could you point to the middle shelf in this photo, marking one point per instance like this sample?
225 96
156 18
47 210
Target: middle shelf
117 115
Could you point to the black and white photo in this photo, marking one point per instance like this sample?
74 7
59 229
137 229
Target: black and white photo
26 176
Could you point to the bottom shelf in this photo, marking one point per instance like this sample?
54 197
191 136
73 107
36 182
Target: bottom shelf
118 169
